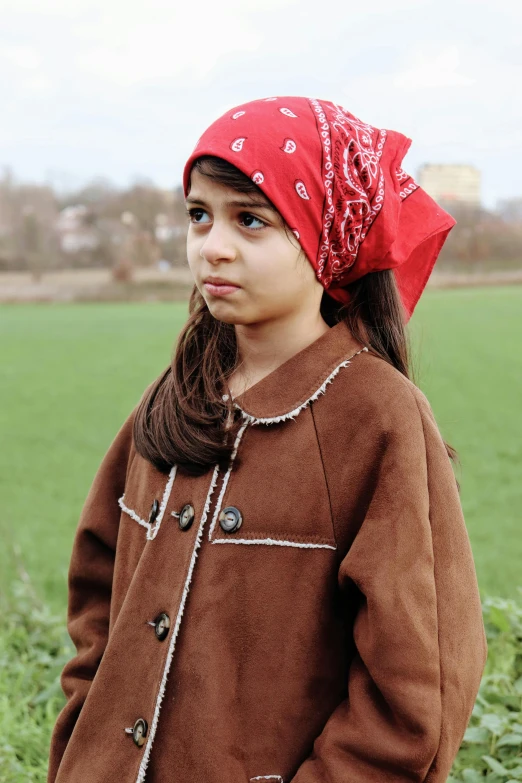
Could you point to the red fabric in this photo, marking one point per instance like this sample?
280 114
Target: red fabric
339 185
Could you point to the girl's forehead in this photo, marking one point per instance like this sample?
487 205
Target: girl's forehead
200 183
206 189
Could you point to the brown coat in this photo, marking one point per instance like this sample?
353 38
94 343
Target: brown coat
336 636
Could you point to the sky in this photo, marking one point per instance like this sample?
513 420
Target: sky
123 90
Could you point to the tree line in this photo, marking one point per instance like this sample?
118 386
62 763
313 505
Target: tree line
101 225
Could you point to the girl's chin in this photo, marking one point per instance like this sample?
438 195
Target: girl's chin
228 314
223 310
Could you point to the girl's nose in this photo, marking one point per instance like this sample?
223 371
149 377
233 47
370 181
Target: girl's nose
217 246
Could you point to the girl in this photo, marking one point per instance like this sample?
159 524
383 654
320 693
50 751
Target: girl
271 578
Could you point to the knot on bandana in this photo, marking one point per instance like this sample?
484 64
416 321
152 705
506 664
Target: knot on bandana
339 184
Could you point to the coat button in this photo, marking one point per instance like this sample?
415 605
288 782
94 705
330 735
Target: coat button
139 732
186 516
161 626
230 519
154 511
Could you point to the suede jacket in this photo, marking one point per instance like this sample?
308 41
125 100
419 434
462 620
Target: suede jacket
310 615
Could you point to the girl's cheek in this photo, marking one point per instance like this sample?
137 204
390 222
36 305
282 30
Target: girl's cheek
193 255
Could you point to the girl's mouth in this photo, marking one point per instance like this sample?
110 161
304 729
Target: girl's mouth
221 289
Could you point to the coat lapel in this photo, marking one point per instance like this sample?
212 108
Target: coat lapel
284 392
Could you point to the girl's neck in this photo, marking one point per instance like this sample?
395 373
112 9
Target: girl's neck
264 347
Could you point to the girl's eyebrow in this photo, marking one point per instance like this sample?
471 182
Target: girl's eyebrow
260 204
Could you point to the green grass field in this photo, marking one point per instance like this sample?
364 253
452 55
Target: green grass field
70 374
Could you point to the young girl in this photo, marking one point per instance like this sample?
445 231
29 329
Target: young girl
271 578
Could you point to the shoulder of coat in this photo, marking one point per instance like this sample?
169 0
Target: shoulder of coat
379 393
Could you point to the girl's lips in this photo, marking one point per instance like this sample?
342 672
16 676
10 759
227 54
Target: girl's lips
220 290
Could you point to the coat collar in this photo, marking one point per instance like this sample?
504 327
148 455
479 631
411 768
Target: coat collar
287 390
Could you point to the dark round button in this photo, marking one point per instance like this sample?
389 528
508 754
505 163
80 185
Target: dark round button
161 626
230 519
186 516
139 732
153 511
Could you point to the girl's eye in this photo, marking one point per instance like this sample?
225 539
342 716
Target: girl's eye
246 217
193 214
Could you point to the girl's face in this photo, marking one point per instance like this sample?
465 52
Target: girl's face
240 239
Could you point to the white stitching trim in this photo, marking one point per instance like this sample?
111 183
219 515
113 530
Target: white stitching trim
291 414
132 513
170 653
226 478
269 777
271 541
153 532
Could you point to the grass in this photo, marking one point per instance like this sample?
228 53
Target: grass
72 372
468 344
70 376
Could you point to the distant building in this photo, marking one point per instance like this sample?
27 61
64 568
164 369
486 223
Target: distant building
450 182
165 230
74 235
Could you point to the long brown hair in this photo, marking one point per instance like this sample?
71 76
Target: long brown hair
182 417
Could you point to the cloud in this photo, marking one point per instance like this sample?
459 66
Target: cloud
112 87
23 57
433 71
22 70
167 48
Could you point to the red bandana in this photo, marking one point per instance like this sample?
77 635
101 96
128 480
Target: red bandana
339 185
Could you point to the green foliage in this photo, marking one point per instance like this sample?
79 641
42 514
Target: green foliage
34 646
492 746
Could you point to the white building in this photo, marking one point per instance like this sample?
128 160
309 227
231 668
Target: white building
451 182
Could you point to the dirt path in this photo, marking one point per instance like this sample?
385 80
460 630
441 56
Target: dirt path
454 280
71 285
93 284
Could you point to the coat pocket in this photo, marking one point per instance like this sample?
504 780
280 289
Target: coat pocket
275 493
246 524
147 492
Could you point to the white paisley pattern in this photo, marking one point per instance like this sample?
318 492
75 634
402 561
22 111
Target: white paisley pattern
353 149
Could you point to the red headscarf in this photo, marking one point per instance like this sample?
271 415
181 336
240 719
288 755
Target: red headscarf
339 185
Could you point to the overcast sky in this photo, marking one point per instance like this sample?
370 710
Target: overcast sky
124 89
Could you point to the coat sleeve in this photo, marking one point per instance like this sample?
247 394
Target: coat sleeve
90 583
419 638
